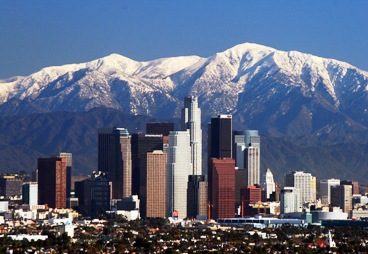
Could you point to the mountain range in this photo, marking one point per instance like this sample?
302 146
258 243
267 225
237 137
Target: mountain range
311 111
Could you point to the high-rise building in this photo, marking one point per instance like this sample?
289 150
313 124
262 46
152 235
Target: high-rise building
159 128
220 137
240 182
252 158
354 184
141 144
52 182
197 197
239 149
69 164
325 189
30 193
222 187
179 167
94 194
153 191
114 158
10 185
268 183
341 196
191 120
303 183
289 200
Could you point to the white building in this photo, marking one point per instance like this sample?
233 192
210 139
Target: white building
191 120
4 206
289 200
30 193
179 167
325 189
253 157
303 182
268 183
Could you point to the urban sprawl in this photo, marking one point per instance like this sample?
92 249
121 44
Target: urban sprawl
150 194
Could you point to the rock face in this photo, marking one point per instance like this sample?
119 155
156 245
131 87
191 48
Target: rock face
277 92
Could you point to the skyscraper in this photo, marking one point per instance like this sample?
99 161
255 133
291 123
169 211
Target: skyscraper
303 184
159 128
52 182
222 187
325 189
252 156
94 194
153 191
341 196
191 120
289 200
179 167
69 164
141 144
220 137
114 158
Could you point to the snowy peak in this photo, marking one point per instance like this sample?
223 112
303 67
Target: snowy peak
254 82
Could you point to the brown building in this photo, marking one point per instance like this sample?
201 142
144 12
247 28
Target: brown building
222 187
341 196
52 182
251 196
153 192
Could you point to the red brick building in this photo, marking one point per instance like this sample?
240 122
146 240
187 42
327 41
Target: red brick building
222 187
52 181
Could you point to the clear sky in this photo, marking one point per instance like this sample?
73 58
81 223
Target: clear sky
40 33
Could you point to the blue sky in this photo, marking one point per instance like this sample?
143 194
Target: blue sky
40 33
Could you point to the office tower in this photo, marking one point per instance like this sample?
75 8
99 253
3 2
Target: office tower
341 196
141 144
10 185
153 191
69 163
268 183
220 137
239 149
159 128
252 158
52 182
289 200
251 196
222 187
240 182
303 183
30 193
94 194
191 120
179 167
114 158
197 196
325 189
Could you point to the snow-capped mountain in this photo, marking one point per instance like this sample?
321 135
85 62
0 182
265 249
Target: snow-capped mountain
274 91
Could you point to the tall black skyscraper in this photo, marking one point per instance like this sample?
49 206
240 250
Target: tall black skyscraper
220 137
159 128
114 158
141 144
